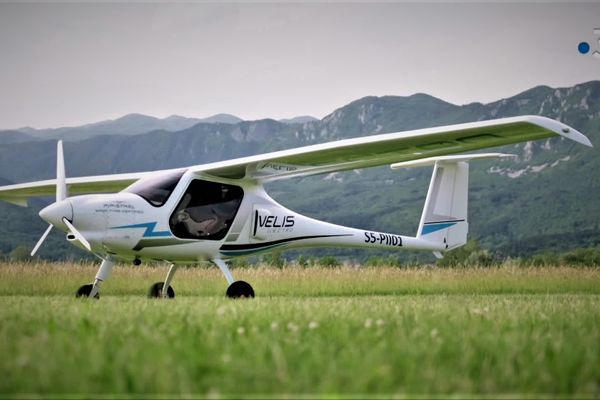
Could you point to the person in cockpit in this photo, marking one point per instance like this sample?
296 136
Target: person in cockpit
206 227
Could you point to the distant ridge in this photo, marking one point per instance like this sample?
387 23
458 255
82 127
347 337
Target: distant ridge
130 124
15 136
221 119
370 114
302 119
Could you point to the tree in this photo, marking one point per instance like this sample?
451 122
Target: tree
274 259
469 255
20 253
329 261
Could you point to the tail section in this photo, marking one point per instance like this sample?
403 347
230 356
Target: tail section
444 220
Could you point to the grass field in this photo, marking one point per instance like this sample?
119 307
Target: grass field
343 332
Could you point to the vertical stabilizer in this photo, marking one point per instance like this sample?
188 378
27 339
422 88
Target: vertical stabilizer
444 218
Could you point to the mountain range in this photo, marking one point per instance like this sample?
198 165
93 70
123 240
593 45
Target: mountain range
130 124
546 199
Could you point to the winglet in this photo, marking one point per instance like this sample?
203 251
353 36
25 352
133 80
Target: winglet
560 129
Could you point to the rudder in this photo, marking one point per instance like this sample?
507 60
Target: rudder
444 218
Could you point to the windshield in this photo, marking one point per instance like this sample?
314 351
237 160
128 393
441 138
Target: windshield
156 189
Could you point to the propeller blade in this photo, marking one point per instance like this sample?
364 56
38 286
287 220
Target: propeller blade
77 234
61 194
39 243
61 183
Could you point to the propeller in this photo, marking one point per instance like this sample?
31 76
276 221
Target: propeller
39 242
61 179
57 211
77 234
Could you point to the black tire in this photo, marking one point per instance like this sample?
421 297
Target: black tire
240 289
85 290
156 291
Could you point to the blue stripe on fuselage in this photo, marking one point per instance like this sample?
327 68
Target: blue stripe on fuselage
149 232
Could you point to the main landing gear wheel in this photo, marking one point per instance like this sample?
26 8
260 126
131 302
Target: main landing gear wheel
240 289
85 290
156 291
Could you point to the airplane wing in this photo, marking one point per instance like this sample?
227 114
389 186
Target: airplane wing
340 155
19 193
390 148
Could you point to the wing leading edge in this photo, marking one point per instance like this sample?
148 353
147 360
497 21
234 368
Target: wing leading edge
364 152
391 148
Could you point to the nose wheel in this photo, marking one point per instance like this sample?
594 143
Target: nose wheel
86 290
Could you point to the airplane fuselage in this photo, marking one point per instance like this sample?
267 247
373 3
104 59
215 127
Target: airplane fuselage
124 225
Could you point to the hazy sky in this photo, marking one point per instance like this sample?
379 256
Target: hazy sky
68 64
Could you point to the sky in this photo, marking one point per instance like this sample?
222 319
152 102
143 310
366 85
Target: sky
67 64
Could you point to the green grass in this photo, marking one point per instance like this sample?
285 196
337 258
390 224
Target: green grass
341 332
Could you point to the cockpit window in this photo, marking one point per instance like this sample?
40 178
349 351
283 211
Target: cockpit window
156 189
206 210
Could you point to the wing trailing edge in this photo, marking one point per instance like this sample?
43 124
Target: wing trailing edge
390 148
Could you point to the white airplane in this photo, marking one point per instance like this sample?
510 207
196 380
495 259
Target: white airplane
217 211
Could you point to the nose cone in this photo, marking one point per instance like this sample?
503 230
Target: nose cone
55 212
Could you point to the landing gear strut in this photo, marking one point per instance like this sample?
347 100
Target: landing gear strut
93 289
236 289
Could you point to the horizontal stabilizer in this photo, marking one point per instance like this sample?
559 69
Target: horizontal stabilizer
427 162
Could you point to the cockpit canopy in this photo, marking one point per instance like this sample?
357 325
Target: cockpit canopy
156 189
206 210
